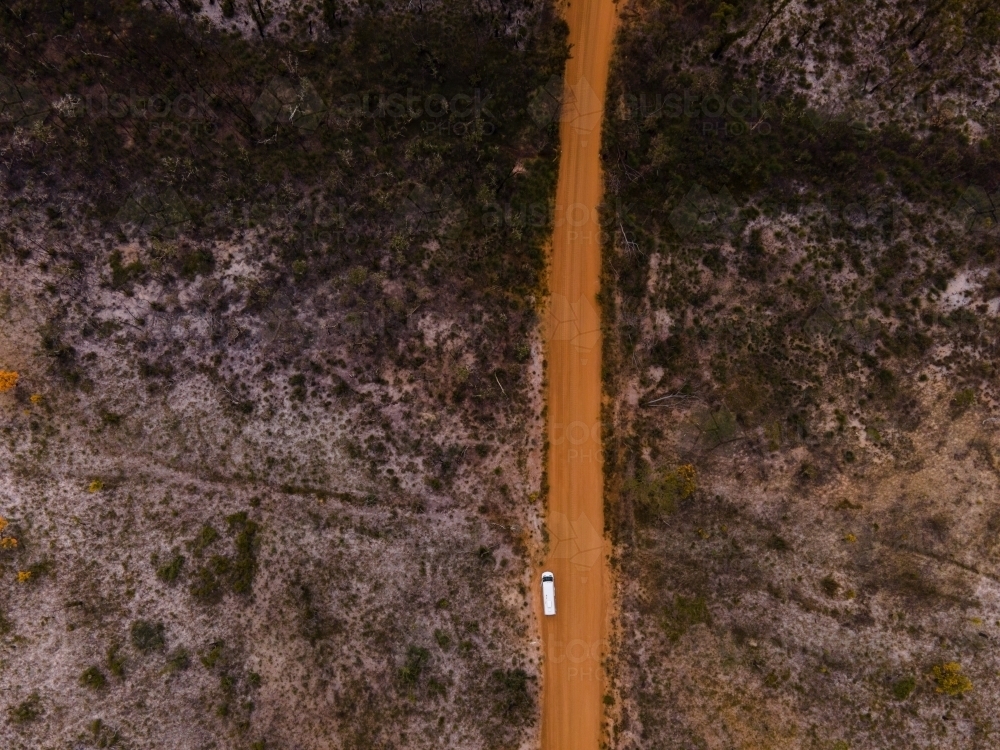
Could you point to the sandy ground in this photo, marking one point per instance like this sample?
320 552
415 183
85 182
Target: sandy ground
574 639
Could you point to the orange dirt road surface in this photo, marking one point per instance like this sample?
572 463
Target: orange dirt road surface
574 639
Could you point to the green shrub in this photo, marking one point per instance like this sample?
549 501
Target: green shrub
115 662
235 572
206 586
93 678
122 276
206 536
244 566
416 661
670 353
684 613
102 735
902 688
829 585
513 699
178 661
886 382
168 572
27 710
778 544
807 472
210 659
194 262
962 401
331 14
40 569
718 427
443 639
436 688
657 496
148 636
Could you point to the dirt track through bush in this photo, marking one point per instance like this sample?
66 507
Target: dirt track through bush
574 639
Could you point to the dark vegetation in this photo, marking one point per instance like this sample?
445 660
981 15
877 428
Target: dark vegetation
234 572
315 220
804 239
209 143
280 274
27 710
799 309
148 636
93 678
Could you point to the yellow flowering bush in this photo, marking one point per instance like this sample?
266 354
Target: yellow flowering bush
95 486
8 380
656 496
36 398
684 480
950 680
23 576
6 542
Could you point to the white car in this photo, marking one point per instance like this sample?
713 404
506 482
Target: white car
548 593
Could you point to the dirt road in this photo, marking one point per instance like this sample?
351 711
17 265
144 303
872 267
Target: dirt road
574 638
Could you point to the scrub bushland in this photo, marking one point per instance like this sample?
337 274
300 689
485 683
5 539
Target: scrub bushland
800 303
261 294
